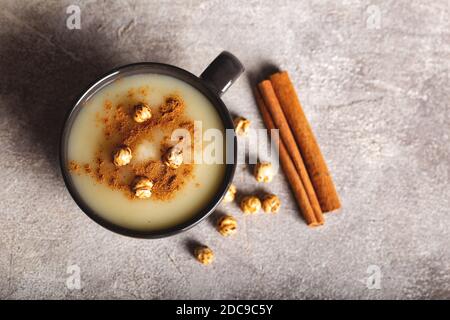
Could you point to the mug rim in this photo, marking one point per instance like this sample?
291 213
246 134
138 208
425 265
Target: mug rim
182 75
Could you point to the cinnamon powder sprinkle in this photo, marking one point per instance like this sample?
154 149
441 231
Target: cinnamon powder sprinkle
120 129
74 167
87 168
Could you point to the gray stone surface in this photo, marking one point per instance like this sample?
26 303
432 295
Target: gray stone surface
377 99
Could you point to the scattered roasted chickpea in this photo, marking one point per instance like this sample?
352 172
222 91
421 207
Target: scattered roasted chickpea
271 203
230 195
227 225
241 125
263 172
142 187
122 156
173 158
204 255
142 112
250 205
171 104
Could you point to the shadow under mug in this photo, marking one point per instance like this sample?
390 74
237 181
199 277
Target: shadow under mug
212 83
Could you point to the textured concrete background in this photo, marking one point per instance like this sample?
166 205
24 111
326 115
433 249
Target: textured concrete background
377 99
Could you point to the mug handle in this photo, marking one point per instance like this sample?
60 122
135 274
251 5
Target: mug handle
222 72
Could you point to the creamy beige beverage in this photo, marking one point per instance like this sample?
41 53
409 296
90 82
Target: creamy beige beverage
138 114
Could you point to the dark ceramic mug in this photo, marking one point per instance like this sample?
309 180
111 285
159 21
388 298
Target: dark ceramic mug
212 83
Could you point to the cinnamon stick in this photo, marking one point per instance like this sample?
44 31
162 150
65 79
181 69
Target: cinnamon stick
306 141
289 169
280 122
